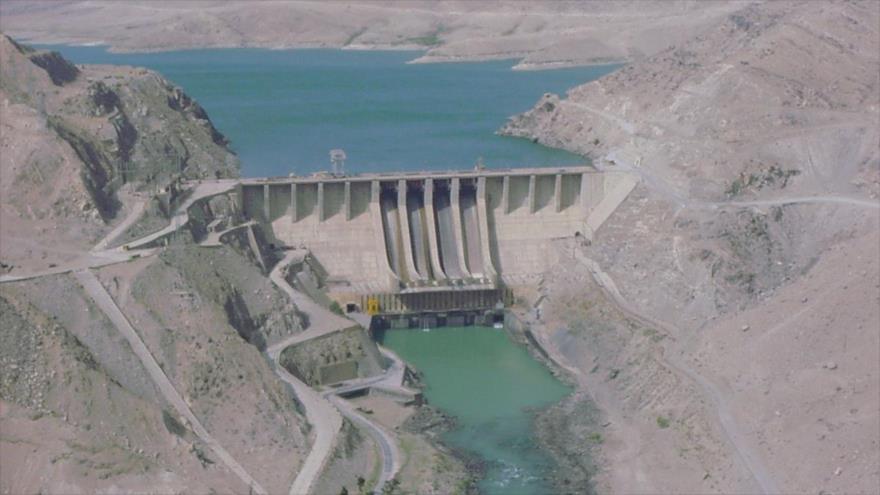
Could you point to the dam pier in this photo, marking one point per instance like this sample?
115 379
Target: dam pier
396 244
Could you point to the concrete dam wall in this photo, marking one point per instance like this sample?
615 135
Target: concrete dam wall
429 232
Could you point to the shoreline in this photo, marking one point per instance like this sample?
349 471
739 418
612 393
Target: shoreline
431 423
571 472
443 422
518 59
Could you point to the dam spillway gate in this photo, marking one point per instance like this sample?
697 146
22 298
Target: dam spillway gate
400 235
432 309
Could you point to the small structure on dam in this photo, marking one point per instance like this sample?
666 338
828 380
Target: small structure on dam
411 240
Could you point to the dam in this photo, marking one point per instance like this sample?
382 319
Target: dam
431 241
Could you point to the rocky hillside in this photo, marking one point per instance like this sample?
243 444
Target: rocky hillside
737 113
82 146
78 415
76 139
73 387
781 84
756 144
541 34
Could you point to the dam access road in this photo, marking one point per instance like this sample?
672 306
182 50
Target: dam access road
320 413
324 416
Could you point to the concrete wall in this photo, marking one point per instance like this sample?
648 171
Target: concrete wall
518 212
345 248
519 237
571 190
338 356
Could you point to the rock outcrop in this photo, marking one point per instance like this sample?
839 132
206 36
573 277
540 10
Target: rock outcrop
80 147
75 138
59 69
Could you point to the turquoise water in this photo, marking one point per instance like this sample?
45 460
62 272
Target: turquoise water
284 110
491 385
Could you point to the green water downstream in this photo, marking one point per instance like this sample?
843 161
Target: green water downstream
493 387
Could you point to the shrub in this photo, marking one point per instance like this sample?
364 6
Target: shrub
336 308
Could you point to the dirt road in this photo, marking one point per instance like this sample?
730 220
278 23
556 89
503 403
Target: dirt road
133 216
181 214
749 457
387 445
326 421
100 256
845 200
105 302
324 417
321 320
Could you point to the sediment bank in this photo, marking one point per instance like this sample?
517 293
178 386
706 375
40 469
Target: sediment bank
575 462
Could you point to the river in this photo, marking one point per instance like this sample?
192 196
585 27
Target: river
493 387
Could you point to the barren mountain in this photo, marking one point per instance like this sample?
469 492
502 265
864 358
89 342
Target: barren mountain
745 262
541 34
75 140
82 147
129 369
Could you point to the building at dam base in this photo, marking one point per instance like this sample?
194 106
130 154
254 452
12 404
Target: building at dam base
424 233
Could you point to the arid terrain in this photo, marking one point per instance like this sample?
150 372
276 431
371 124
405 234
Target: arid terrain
722 328
69 134
84 147
735 322
542 34
134 367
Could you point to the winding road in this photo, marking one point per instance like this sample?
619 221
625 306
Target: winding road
390 455
321 320
326 421
324 417
99 256
133 216
181 214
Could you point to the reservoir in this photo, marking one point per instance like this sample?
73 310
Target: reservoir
492 386
283 110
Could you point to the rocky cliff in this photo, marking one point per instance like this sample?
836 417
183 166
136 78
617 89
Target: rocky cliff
81 148
77 138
